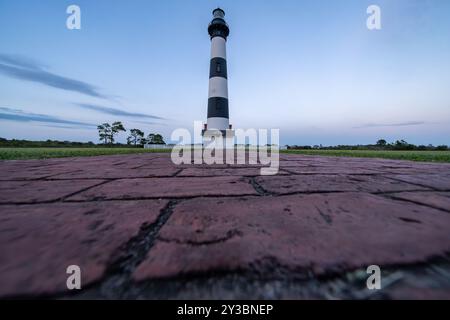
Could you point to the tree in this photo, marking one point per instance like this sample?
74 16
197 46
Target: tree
104 132
381 143
403 145
116 128
143 141
135 136
155 138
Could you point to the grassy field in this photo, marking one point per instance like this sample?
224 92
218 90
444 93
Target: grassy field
427 156
44 153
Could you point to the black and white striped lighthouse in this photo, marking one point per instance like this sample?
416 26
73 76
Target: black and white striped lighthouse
218 116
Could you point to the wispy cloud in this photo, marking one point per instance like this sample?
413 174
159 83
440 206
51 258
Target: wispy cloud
22 68
150 123
21 61
22 116
400 124
117 112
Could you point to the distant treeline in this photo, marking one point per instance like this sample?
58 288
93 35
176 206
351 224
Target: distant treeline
380 145
14 143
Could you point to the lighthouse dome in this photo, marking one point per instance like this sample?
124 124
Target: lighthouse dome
218 13
218 27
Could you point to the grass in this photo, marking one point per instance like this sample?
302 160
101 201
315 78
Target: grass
426 156
45 153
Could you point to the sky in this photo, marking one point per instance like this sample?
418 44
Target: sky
309 68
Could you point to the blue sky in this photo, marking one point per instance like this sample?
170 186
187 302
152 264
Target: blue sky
310 68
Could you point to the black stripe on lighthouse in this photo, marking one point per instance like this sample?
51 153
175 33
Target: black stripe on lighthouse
218 68
218 107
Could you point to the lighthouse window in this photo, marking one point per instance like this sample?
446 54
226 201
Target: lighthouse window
218 67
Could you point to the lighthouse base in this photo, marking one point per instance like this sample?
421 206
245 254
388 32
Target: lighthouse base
218 139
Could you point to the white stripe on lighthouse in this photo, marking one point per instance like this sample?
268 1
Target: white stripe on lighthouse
218 87
218 48
218 123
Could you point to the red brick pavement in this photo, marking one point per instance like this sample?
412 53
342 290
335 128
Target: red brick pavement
141 227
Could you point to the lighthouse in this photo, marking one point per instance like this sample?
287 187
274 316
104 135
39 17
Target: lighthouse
218 123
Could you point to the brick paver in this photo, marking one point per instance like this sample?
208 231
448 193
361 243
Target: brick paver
141 227
39 241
